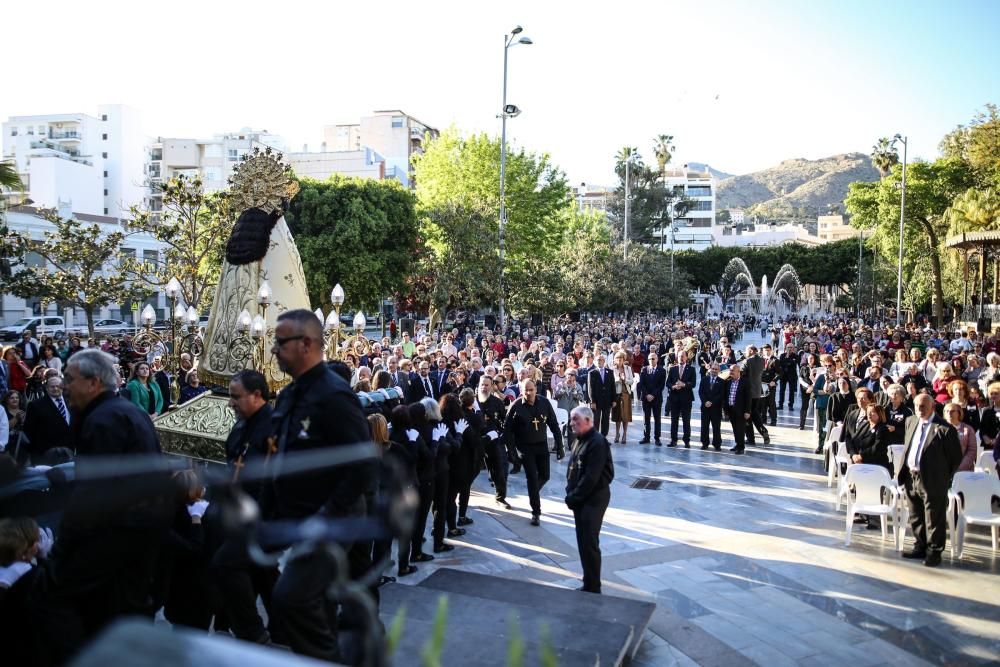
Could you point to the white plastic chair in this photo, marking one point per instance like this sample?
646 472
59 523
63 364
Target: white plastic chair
869 482
896 456
970 499
987 464
562 416
831 437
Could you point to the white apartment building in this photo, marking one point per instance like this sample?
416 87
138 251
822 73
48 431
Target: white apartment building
393 134
760 236
591 197
26 220
362 163
693 231
94 164
212 159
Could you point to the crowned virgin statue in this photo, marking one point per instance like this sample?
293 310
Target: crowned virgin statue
261 277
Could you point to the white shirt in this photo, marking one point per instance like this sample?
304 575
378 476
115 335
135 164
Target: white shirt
916 446
4 430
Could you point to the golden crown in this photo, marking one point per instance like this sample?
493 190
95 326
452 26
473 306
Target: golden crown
261 180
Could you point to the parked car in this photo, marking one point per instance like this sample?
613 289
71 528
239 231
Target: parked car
112 327
53 326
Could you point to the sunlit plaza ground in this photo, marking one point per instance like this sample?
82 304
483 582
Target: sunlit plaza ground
745 559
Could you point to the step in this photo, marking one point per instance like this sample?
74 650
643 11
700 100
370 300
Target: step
584 641
634 614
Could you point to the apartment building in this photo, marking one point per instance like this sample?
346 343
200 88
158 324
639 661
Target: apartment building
392 134
93 163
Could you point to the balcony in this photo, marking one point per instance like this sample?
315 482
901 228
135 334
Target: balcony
417 133
66 135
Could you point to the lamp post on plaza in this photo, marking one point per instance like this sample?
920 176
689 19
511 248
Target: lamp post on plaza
507 110
628 161
331 324
902 219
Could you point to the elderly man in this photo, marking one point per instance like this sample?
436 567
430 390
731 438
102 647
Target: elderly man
47 421
588 492
933 454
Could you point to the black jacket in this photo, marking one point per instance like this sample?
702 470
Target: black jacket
417 390
601 393
716 393
651 382
789 366
525 424
247 441
942 454
838 405
316 411
590 471
686 393
45 428
873 446
753 370
742 403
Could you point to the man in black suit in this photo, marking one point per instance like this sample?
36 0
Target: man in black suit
788 363
738 405
769 377
712 393
933 454
421 384
601 390
681 380
398 376
440 377
753 370
652 379
47 421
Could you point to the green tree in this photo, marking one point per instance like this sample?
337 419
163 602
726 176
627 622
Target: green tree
82 268
465 171
974 211
884 156
978 145
9 178
663 150
930 190
356 232
193 228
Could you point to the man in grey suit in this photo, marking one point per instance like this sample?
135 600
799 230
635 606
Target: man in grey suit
933 454
752 370
400 378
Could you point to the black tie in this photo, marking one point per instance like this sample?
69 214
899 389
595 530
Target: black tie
427 387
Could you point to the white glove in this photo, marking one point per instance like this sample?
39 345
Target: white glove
492 435
197 508
412 434
384 393
460 426
10 574
45 542
439 432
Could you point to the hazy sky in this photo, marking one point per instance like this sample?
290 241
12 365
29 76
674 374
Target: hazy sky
741 85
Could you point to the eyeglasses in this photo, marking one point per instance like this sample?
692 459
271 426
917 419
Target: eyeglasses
279 342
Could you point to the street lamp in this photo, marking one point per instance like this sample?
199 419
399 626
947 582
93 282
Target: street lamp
506 111
902 218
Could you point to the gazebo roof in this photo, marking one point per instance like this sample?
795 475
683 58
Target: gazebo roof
973 240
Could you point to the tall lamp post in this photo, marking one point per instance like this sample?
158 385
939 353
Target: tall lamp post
902 219
628 161
507 110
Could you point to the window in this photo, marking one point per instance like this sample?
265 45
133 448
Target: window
41 130
13 131
233 155
104 137
213 150
105 192
397 121
104 155
150 257
105 173
699 191
212 174
104 116
105 210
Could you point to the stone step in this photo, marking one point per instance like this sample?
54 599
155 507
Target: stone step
634 614
483 627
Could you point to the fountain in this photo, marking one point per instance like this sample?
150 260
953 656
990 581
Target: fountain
777 299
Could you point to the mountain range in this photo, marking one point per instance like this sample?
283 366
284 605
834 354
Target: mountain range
796 189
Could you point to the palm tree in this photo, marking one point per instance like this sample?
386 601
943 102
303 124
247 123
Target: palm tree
974 211
624 153
663 149
884 156
9 178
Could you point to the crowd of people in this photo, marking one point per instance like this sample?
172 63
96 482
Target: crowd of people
445 407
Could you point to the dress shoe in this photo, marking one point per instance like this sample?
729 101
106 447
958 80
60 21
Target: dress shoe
464 521
736 450
644 441
818 450
672 444
534 520
780 408
687 445
659 444
915 555
773 424
802 428
740 451
616 438
438 548
421 558
718 448
704 446
410 569
767 439
383 580
933 559
503 503
456 532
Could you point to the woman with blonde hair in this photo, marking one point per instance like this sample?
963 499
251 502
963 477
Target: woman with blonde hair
621 409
